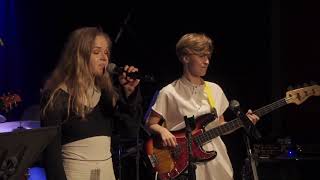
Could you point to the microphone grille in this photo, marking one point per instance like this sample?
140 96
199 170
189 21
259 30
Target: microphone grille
234 105
111 68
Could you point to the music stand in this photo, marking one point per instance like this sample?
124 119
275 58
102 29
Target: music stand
20 149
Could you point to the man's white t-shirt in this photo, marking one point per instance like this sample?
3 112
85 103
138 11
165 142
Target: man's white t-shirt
182 98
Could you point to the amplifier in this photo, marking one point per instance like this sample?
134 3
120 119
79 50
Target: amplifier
286 151
268 150
286 161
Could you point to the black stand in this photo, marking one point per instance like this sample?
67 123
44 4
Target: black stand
129 147
21 149
20 127
190 125
250 170
124 152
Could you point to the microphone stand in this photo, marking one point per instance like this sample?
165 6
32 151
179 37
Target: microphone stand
122 27
249 131
191 167
250 158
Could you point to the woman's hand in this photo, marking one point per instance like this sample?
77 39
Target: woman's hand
128 83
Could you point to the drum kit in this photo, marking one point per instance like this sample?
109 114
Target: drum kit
31 173
8 102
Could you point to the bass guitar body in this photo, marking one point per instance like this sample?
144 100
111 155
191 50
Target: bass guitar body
170 162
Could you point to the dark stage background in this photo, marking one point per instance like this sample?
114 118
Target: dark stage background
262 47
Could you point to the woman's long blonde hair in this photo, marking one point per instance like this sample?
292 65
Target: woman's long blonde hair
73 71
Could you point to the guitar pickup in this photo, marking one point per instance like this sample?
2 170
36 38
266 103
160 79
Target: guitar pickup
153 160
176 152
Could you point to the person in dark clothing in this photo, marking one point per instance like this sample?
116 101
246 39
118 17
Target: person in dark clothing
82 100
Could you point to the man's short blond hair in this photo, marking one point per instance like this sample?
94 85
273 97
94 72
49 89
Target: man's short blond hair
194 43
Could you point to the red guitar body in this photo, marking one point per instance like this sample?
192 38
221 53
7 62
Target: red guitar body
170 162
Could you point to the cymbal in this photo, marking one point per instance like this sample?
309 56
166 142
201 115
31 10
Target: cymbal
2 119
23 124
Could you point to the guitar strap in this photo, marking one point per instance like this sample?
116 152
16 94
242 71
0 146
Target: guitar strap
208 91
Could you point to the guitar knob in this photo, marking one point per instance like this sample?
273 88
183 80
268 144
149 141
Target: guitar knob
175 169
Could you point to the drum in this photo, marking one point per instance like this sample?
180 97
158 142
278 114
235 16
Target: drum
18 125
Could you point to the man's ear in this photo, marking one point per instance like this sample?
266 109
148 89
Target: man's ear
186 59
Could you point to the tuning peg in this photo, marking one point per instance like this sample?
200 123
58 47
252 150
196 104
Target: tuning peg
290 88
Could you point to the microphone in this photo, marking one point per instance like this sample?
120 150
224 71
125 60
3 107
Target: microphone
114 69
235 107
247 124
